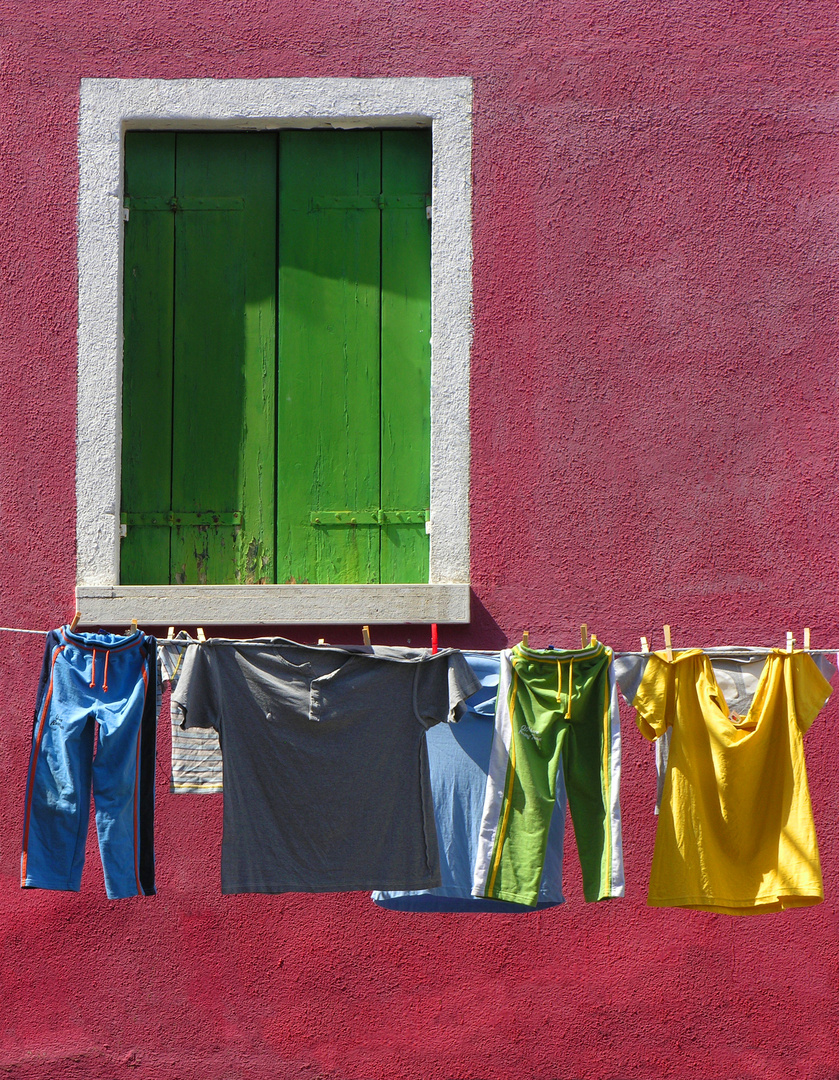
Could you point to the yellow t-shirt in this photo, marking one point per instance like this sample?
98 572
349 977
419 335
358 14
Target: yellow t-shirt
735 829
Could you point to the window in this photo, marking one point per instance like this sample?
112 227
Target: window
277 313
278 113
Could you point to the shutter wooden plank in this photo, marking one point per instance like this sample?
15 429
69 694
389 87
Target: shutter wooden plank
328 437
225 356
406 353
147 359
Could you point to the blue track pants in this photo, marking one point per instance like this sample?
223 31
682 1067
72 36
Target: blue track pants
95 727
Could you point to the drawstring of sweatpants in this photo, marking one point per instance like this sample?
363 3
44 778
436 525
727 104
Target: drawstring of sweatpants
104 673
570 684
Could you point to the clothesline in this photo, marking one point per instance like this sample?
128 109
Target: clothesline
730 650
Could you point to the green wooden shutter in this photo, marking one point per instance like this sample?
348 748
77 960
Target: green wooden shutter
147 359
406 355
313 244
206 408
354 399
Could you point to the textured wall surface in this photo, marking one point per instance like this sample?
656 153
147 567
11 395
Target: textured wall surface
655 439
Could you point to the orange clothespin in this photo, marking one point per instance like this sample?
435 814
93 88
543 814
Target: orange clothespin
668 645
75 621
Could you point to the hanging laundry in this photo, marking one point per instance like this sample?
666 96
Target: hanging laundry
196 754
94 690
326 783
458 756
629 670
556 708
735 831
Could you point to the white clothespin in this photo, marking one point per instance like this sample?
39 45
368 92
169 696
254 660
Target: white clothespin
645 645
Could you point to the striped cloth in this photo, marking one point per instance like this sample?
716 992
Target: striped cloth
196 754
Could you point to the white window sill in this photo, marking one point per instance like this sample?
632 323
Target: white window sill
251 605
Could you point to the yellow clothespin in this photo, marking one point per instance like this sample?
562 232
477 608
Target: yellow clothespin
668 645
584 635
806 638
645 645
199 633
365 633
790 641
525 638
75 621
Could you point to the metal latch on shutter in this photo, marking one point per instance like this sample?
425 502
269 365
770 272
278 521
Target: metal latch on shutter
368 517
170 518
367 202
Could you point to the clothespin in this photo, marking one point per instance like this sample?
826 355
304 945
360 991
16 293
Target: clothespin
433 638
806 638
790 641
170 633
668 645
645 645
133 626
321 641
365 633
75 621
584 635
199 633
525 638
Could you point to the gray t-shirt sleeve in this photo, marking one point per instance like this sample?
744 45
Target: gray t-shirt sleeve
629 670
441 683
196 694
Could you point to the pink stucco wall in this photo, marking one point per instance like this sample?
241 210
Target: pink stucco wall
655 439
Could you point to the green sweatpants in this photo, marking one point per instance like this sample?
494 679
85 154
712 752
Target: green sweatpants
556 708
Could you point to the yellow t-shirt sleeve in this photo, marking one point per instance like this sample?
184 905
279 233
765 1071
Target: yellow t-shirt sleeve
810 690
654 701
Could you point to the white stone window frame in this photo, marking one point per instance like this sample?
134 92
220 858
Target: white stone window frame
110 107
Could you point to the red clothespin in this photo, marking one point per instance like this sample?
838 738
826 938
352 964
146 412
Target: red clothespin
433 638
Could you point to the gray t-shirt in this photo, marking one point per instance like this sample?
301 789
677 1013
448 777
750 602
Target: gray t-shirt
326 781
